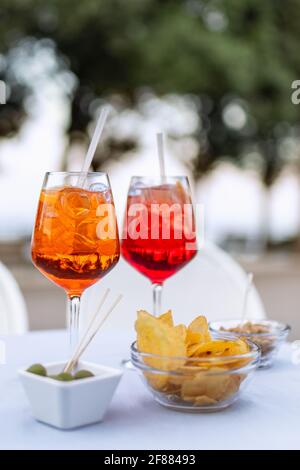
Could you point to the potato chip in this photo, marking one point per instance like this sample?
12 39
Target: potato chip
200 325
237 348
181 331
211 385
169 388
157 337
182 373
233 386
167 318
197 332
174 381
192 349
217 348
201 400
192 341
193 337
208 349
157 381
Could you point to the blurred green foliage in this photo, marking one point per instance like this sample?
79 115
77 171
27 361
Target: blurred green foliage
219 51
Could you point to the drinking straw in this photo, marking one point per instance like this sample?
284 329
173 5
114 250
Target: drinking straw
79 354
94 143
246 296
161 157
89 335
91 323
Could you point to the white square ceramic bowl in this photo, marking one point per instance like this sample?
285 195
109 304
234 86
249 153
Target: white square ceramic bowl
68 405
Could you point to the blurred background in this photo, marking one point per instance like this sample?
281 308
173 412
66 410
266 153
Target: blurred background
214 75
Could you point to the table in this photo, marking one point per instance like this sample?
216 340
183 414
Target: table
267 417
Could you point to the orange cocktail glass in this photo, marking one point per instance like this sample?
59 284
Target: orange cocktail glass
75 240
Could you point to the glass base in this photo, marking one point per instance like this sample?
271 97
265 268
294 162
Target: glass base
194 409
176 403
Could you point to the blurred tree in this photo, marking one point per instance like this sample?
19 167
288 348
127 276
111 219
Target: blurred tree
237 58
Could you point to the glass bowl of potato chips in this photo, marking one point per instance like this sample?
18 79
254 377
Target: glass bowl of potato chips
269 335
187 368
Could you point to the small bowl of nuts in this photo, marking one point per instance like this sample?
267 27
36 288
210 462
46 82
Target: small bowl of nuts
269 335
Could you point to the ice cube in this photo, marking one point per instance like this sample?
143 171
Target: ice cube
103 189
169 194
136 189
98 187
161 194
75 203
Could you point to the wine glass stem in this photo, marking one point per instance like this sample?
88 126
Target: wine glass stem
157 292
74 308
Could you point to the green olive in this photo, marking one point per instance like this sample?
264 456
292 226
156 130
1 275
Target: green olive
83 374
63 377
37 369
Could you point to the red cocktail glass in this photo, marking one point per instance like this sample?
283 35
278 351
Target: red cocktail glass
159 235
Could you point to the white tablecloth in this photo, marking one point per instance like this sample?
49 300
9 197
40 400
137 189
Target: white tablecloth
267 417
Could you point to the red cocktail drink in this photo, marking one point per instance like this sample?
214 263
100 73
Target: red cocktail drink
159 231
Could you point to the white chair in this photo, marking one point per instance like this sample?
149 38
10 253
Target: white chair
13 314
213 284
